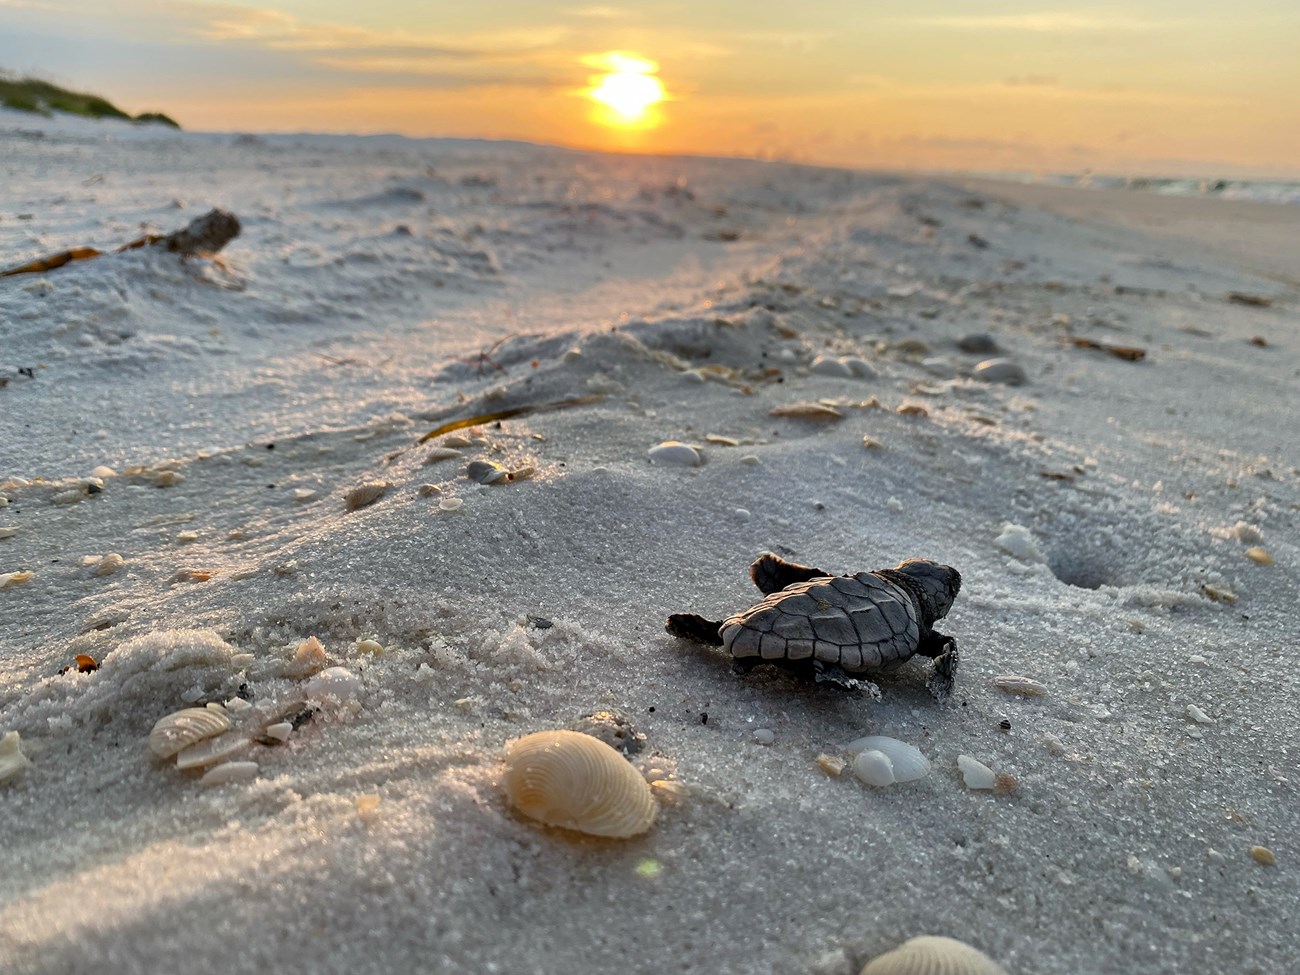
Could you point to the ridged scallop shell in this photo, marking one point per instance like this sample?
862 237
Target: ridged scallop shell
181 729
571 780
885 761
211 750
930 955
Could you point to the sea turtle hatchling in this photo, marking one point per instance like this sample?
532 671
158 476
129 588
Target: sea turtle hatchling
845 627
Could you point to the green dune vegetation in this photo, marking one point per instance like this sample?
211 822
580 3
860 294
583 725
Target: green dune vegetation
44 98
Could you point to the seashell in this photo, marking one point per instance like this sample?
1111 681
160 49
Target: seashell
884 761
429 490
278 732
366 494
337 683
12 759
1263 856
1196 714
931 955
912 409
825 365
486 472
1000 370
211 750
229 772
860 368
8 532
571 780
722 441
456 440
830 764
871 443
674 454
8 579
109 564
807 411
441 453
451 504
1257 555
975 773
181 729
1017 684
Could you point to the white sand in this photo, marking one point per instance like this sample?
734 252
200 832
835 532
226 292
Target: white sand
340 339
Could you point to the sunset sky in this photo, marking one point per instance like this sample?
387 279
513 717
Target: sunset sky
1180 87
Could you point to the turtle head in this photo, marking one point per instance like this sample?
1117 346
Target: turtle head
933 586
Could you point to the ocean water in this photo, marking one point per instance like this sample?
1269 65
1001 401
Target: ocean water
1254 190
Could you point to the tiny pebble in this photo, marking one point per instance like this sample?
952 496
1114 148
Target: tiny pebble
1263 856
742 514
978 343
764 736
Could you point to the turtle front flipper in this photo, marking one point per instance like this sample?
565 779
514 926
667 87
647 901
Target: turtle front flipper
688 626
945 670
771 573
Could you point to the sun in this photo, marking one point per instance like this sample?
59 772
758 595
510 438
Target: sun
627 92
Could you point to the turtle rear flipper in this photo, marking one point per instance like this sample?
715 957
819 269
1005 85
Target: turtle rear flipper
688 626
771 573
945 669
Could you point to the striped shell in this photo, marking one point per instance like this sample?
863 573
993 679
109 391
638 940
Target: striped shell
571 780
929 955
181 729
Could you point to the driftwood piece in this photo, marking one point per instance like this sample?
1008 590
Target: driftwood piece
203 235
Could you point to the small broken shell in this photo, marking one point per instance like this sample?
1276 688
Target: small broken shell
366 494
672 453
1018 684
211 750
181 729
8 579
229 772
807 411
441 453
486 472
931 955
12 759
1259 556
574 781
975 773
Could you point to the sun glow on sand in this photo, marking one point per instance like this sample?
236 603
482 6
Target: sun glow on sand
626 94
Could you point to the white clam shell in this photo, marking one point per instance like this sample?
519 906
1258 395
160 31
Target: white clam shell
906 763
336 683
975 773
931 955
229 772
211 750
672 453
12 759
1001 370
181 729
575 781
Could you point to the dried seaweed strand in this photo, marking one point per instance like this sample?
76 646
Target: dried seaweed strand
481 418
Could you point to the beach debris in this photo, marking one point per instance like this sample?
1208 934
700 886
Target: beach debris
486 472
1263 856
1018 684
1001 370
181 729
1196 714
308 658
8 531
838 629
1249 300
86 664
1218 594
672 453
276 733
933 955
12 759
574 781
832 765
975 773
229 772
1259 341
880 761
807 411
978 343
10 579
204 235
1130 353
614 728
506 414
1259 556
365 494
